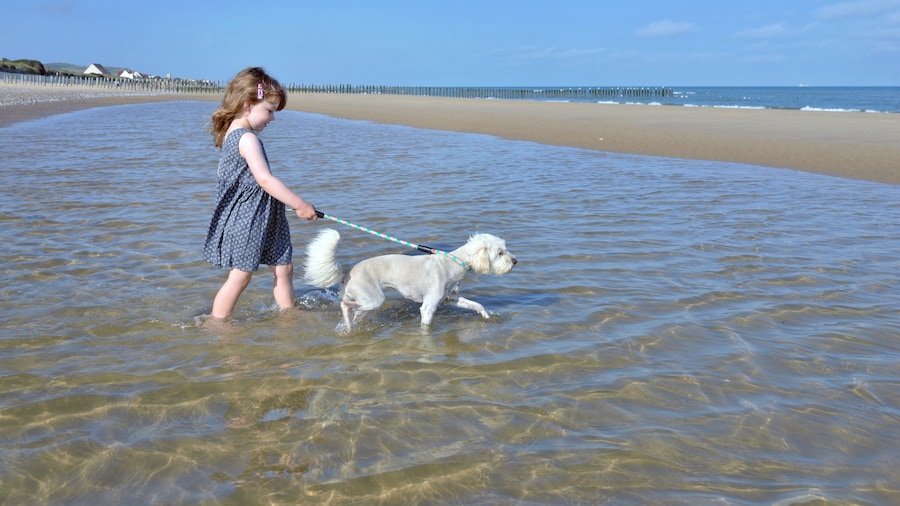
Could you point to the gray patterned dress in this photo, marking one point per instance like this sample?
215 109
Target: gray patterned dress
248 227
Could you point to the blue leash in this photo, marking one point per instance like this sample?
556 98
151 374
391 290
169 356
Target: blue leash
420 247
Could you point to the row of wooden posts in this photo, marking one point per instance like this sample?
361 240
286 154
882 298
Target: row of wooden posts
528 93
112 83
194 86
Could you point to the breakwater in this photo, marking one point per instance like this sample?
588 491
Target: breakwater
162 85
522 93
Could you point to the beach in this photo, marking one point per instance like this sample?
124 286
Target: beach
845 144
27 102
854 145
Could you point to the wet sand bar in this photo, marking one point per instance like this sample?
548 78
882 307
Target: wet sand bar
845 144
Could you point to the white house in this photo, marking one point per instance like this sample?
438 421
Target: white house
131 74
95 69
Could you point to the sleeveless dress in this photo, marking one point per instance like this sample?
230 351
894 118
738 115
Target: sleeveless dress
248 227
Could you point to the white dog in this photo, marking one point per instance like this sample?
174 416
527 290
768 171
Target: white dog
429 279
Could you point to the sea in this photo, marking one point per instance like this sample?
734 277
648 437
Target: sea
675 331
806 98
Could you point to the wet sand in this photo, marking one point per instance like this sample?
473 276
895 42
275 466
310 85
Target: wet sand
845 144
854 145
24 102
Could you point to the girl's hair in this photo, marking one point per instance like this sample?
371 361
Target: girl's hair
244 90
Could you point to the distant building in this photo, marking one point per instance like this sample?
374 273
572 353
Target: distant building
131 74
95 69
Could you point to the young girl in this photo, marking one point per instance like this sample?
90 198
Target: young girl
249 226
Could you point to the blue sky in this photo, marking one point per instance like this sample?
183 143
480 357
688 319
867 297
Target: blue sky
474 43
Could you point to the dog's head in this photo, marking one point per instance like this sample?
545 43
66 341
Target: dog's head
487 254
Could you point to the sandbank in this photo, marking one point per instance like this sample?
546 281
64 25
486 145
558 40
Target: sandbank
845 144
26 102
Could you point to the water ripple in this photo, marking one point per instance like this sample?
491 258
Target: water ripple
675 332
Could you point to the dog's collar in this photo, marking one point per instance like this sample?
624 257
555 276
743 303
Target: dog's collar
451 257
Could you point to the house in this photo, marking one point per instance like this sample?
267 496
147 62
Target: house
95 69
131 74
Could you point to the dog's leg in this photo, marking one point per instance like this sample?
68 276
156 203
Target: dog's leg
360 296
347 308
471 304
427 310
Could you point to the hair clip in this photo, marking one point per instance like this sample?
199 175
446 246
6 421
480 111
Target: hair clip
259 91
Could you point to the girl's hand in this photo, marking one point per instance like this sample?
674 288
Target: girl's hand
307 212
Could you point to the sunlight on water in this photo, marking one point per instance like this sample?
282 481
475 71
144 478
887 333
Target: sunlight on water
675 331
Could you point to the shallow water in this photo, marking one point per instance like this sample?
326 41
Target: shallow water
676 331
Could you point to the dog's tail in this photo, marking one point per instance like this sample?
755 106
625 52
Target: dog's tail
322 269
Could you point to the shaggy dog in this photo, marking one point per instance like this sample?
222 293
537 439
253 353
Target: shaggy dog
429 279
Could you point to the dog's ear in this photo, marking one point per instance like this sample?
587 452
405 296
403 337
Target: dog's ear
480 261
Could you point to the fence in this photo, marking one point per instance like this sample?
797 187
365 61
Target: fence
192 86
113 83
521 93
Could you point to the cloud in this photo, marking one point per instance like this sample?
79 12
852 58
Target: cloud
873 23
537 53
58 7
856 8
763 32
532 53
764 58
665 28
581 53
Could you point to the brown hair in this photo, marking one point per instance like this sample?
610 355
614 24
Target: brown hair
243 90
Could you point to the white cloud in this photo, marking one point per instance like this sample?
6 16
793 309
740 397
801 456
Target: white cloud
536 53
856 8
764 58
58 7
580 53
763 32
872 24
665 28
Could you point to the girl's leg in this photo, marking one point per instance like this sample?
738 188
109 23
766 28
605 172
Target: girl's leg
228 295
284 285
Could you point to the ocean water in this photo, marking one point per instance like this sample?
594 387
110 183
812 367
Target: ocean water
881 99
809 98
675 332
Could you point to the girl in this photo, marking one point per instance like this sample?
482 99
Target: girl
249 226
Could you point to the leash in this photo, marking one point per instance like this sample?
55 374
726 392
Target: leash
420 247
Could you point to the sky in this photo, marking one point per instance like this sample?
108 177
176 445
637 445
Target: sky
473 43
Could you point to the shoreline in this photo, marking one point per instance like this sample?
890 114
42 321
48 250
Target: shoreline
28 102
855 145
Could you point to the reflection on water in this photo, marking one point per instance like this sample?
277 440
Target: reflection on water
675 331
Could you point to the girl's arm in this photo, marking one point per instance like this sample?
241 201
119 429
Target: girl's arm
251 149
